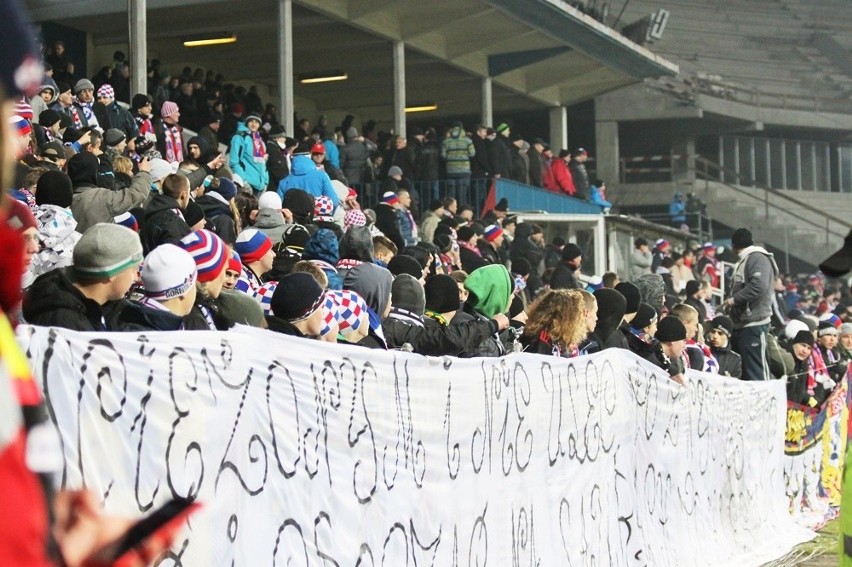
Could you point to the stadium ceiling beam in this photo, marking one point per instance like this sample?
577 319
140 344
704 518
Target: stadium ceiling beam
359 9
41 11
588 36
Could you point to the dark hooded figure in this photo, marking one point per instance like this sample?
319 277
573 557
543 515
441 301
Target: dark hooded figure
356 247
523 246
301 204
611 308
322 249
373 283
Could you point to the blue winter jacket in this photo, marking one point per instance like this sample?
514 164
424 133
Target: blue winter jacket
332 153
323 247
304 175
243 163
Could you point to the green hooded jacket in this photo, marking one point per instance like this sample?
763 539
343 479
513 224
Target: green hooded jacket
490 288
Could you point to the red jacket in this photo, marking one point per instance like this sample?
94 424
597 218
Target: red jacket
564 183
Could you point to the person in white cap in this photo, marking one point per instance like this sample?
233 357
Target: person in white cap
168 277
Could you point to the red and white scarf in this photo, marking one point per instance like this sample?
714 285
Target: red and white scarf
174 144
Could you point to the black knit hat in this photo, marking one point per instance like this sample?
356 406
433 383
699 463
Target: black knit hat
465 233
193 214
83 168
692 287
502 205
442 294
444 242
296 297
645 317
295 235
723 323
408 294
670 329
521 266
741 239
631 294
49 117
803 337
140 100
571 251
299 202
54 188
404 264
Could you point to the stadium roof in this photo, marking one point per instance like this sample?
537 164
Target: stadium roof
538 52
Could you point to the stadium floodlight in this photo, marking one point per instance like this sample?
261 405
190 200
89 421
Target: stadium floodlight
326 77
213 39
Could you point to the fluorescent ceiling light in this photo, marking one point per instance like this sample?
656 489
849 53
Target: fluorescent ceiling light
422 108
323 77
215 40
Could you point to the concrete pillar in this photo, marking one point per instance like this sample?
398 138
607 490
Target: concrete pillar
606 154
558 128
137 23
487 102
285 66
683 160
399 88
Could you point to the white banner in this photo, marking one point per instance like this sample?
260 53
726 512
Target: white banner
309 454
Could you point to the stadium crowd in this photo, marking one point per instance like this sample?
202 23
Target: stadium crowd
129 228
123 227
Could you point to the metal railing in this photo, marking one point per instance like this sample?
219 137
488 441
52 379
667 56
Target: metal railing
700 224
466 192
704 169
651 168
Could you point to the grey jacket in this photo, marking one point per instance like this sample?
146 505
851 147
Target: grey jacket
640 263
91 205
753 287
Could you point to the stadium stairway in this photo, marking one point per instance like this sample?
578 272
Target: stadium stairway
774 220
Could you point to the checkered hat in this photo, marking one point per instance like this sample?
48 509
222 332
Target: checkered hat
106 91
354 217
323 206
208 251
347 307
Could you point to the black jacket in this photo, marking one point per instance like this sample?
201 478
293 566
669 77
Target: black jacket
388 222
284 327
161 223
430 338
730 363
148 319
470 261
563 278
276 165
428 162
580 178
500 157
480 165
218 217
536 167
618 339
53 301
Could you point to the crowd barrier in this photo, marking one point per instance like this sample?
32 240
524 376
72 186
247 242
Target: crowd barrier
309 454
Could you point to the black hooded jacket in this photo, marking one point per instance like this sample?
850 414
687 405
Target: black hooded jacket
162 222
611 306
53 301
